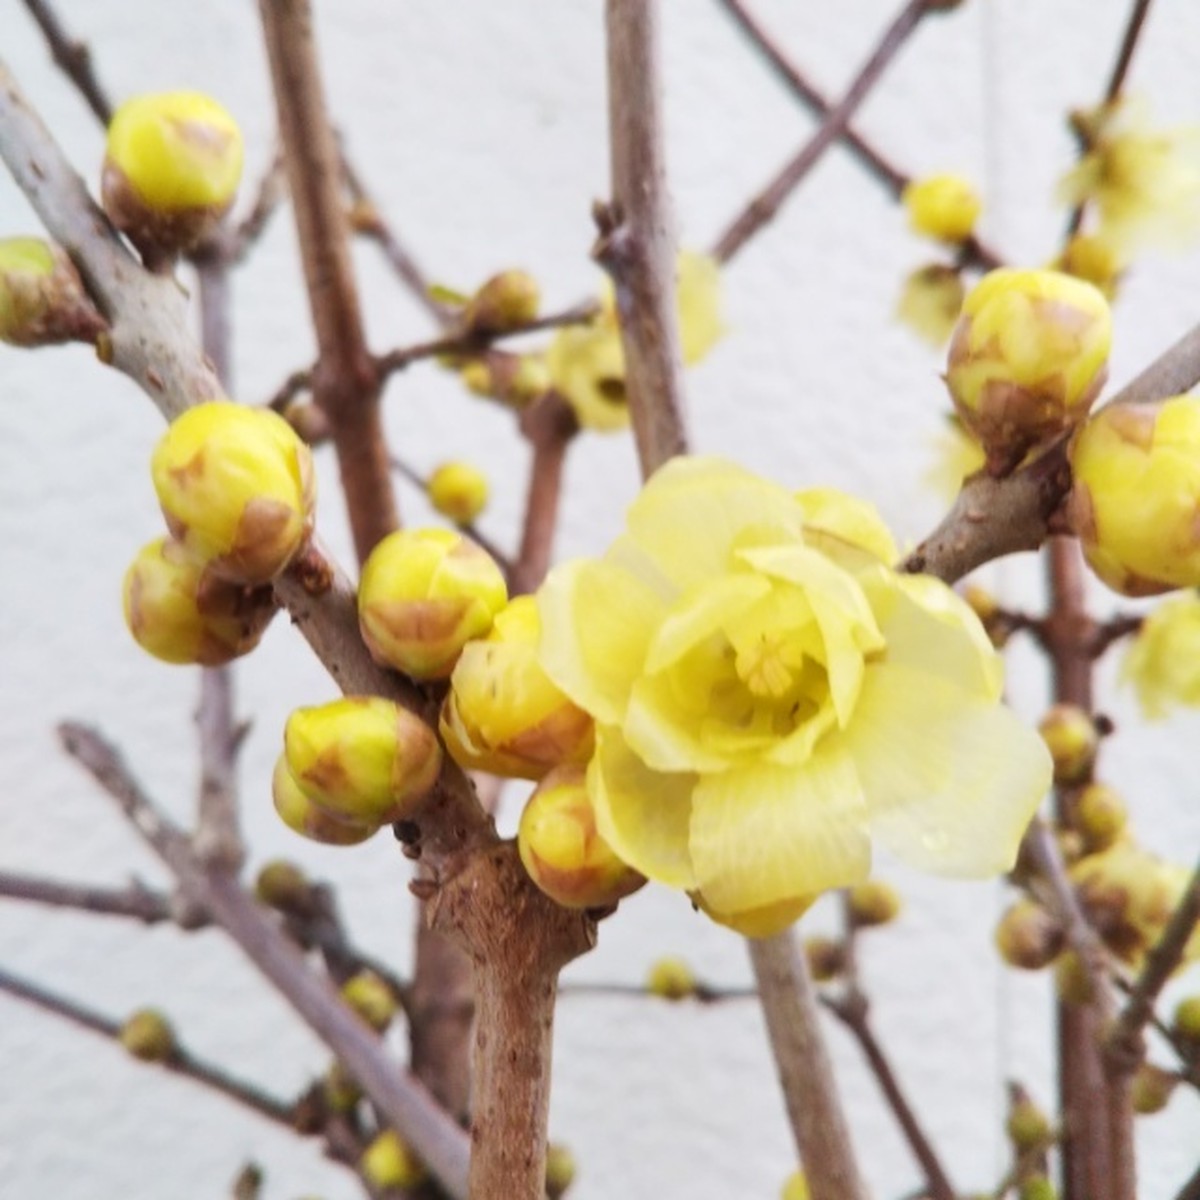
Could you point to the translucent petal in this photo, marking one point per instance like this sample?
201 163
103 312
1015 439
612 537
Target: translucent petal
763 834
834 517
643 815
665 733
759 922
712 607
951 778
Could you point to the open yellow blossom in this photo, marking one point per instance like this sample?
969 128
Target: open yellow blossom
1163 660
770 696
587 364
1144 182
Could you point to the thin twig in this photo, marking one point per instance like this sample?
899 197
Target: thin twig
767 203
702 993
136 900
73 58
268 196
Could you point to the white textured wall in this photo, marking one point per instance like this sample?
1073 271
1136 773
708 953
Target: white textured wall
481 126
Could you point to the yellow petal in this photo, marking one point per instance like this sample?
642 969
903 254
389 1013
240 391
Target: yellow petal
643 815
834 516
764 834
952 779
712 608
759 922
597 621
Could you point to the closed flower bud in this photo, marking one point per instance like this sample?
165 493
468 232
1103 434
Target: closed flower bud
42 301
826 958
1137 488
560 1170
502 713
302 816
1028 937
173 164
389 1162
340 1090
1100 816
873 903
1151 1089
1185 1024
148 1035
424 594
362 757
1071 737
283 886
944 207
236 488
1037 1187
1092 257
513 379
1027 1126
179 612
372 998
1027 360
458 491
1072 981
507 301
563 851
795 1187
671 978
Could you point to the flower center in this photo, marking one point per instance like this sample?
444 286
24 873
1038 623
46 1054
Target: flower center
767 664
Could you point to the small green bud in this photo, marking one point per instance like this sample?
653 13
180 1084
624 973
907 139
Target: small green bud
283 886
1071 737
560 1170
1027 1126
1037 1187
1151 1089
389 1162
42 300
507 301
372 998
671 978
148 1035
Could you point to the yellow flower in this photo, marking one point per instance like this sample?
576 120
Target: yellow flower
1163 660
930 302
502 713
1144 182
587 364
944 206
770 696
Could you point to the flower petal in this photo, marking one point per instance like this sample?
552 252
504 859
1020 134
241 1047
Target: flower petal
759 922
831 517
763 834
643 815
952 779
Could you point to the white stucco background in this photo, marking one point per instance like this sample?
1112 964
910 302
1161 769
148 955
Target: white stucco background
481 127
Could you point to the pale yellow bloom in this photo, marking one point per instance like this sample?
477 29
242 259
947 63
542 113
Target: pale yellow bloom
770 696
1163 660
586 363
1144 182
944 206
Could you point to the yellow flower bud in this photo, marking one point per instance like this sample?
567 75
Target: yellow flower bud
179 612
42 300
148 1035
944 207
873 903
671 978
560 1170
826 958
1028 937
458 491
1071 737
1151 1089
282 885
563 851
173 164
1027 360
1092 257
236 488
1071 979
304 817
362 757
506 302
372 998
424 594
1186 1021
502 713
1137 487
1027 1126
930 302
1100 816
389 1162
795 1187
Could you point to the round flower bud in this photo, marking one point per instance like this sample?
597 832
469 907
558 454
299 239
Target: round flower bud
1027 360
795 1187
1137 487
424 594
362 757
1028 937
372 998
1037 1187
179 612
507 301
1027 1126
944 207
389 1162
172 167
873 903
302 816
1151 1089
1100 816
502 714
563 851
826 958
283 886
1093 258
236 488
1071 737
672 979
458 491
42 301
148 1035
340 1090
560 1170
930 302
